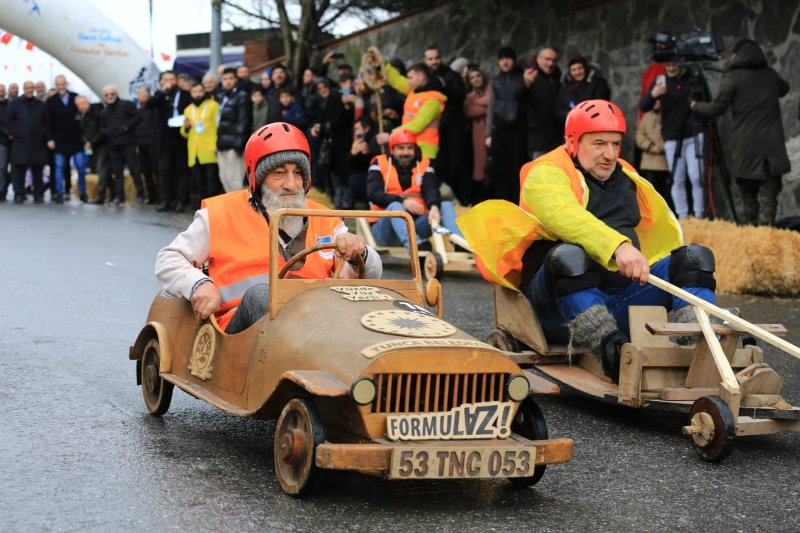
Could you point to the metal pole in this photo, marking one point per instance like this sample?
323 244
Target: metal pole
215 41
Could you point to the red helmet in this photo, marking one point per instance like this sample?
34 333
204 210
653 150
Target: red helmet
270 139
401 136
591 116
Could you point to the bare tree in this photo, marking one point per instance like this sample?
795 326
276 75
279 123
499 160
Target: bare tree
303 22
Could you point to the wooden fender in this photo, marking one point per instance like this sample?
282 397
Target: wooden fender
154 329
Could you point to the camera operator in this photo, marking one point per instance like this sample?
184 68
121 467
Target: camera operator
682 131
758 159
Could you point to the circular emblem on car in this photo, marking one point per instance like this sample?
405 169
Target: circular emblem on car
406 324
203 352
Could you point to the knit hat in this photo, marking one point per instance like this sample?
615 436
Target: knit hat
507 52
272 161
459 63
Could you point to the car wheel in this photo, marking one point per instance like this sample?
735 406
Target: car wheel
529 423
712 416
157 392
434 266
502 340
297 435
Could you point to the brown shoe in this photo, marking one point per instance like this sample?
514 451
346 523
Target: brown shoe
97 200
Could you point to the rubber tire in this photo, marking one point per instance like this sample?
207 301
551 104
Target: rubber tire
433 266
296 480
157 392
529 422
721 445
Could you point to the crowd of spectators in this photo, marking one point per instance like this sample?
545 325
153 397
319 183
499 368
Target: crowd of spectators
186 141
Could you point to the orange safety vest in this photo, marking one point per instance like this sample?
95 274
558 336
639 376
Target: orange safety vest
414 101
392 182
238 251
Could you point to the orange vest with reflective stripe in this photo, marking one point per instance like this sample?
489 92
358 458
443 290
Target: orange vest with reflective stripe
238 251
392 182
414 101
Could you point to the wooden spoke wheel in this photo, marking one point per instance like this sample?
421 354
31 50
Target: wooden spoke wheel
157 392
433 266
502 340
716 428
529 423
297 435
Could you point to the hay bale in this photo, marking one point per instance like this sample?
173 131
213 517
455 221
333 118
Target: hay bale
750 260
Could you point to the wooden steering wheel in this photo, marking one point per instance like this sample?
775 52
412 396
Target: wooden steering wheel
316 248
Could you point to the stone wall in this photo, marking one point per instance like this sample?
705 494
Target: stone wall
613 34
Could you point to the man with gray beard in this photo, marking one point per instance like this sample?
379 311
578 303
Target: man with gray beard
231 233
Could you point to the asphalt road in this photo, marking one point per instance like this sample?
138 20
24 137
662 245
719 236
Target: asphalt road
79 451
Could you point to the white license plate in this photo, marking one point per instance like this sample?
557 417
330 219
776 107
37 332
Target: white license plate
448 462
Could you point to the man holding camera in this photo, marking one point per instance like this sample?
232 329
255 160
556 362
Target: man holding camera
682 132
758 160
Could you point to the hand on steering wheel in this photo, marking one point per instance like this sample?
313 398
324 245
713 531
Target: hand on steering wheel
316 248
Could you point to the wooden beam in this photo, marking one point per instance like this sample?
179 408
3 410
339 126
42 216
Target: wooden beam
750 426
630 376
754 330
685 394
693 330
729 388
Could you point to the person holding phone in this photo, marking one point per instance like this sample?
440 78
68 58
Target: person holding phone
684 142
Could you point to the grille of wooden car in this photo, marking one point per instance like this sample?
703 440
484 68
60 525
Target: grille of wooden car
425 393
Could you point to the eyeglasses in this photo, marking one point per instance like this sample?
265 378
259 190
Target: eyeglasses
109 94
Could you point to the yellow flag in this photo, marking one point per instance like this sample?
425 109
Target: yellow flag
499 232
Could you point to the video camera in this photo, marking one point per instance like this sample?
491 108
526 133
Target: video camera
689 47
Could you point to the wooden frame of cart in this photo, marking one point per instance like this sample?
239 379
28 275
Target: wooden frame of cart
722 383
437 261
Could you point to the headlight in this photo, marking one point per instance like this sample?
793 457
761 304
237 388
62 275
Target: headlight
518 387
363 391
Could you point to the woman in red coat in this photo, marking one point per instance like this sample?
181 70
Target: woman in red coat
476 105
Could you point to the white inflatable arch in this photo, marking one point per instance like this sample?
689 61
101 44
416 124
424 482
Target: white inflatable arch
84 40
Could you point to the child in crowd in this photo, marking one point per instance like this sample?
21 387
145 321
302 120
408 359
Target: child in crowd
291 110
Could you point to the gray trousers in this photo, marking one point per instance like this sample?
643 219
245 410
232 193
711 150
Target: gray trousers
254 305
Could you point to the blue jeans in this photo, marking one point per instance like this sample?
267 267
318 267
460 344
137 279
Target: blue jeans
554 312
80 161
393 231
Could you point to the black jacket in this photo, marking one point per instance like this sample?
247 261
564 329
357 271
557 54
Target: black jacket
91 125
29 123
146 129
453 114
677 120
544 131
65 130
752 91
235 120
573 93
336 131
119 123
165 105
507 101
5 133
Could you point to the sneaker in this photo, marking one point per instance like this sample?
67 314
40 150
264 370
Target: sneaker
67 197
139 202
610 348
84 198
119 202
58 199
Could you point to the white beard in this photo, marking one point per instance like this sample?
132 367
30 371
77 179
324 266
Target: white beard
273 201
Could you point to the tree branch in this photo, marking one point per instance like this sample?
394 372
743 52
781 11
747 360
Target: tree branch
339 12
259 16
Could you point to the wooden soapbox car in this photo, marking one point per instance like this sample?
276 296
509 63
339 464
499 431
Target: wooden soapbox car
360 376
723 384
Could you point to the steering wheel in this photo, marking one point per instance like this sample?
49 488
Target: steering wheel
316 248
